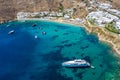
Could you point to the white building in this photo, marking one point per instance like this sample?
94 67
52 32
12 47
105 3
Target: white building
104 6
59 14
52 14
101 18
118 25
22 15
66 16
78 20
114 11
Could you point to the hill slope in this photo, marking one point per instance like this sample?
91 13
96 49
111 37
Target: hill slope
9 8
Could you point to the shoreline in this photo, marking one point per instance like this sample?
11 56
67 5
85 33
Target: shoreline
102 38
105 36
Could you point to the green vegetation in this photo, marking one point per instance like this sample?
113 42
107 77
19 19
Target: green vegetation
37 16
114 15
74 10
61 7
111 27
64 13
91 21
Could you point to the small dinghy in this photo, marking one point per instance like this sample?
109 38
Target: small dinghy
11 32
36 37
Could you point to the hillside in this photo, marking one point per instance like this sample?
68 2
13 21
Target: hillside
9 8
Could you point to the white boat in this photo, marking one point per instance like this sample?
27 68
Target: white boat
7 25
11 32
76 63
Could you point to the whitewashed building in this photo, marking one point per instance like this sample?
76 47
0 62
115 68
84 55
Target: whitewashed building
104 6
101 18
114 11
66 16
118 25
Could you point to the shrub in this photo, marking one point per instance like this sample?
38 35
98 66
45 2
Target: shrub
61 7
91 21
111 27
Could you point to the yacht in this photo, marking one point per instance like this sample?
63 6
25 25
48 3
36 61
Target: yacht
76 63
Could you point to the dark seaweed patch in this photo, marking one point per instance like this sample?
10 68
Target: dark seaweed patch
92 38
40 28
56 30
75 70
34 25
93 73
54 60
59 46
68 45
71 31
65 33
62 27
82 55
77 52
53 55
80 75
66 41
101 65
54 37
84 47
65 45
73 57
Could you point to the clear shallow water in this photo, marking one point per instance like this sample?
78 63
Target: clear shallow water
22 57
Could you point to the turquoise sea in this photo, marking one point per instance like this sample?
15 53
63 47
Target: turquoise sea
22 57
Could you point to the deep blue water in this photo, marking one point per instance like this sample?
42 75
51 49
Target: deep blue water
22 57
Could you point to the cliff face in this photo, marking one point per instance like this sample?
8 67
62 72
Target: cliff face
9 8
